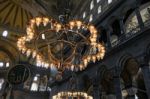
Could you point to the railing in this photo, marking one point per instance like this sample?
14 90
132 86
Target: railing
131 34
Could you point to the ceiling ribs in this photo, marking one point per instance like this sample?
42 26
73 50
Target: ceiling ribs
7 4
22 18
26 13
8 13
15 15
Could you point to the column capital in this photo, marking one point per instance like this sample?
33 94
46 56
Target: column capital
131 91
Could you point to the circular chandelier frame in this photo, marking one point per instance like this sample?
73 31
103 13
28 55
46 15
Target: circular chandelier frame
67 94
96 50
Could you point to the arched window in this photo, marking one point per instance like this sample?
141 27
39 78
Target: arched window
1 83
132 24
91 18
4 60
98 1
99 9
145 13
110 1
92 5
136 97
43 83
35 83
84 15
1 64
5 33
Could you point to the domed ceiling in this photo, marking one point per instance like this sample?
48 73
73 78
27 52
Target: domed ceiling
14 14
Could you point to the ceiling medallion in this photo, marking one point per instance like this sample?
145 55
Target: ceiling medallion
65 46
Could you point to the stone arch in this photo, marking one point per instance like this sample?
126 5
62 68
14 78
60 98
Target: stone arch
127 13
129 69
11 51
122 59
125 9
101 70
125 61
106 78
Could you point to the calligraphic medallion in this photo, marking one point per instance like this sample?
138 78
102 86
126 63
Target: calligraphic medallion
18 74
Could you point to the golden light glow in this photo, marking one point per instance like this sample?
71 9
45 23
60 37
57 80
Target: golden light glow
96 49
68 95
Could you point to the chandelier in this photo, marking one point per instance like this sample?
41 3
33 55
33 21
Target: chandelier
72 92
72 95
69 45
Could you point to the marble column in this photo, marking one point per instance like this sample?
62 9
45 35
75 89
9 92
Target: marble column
96 89
146 75
117 85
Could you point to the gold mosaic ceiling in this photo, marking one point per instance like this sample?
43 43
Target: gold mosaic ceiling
12 14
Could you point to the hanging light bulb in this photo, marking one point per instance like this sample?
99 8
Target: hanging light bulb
32 22
28 52
85 62
58 27
45 21
94 58
81 67
38 20
89 58
33 54
79 23
24 50
72 67
72 24
98 57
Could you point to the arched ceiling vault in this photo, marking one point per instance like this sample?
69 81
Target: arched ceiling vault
13 15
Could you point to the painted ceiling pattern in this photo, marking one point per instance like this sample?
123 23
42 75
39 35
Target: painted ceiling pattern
13 15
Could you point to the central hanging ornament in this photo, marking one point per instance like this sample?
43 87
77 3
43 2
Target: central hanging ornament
64 46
